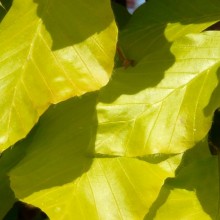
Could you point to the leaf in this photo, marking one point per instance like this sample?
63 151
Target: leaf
6 4
194 192
6 196
62 176
8 159
122 15
158 22
4 7
97 153
164 104
49 52
190 206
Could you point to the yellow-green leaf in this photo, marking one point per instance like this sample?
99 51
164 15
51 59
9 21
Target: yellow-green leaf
158 22
61 175
164 104
51 51
194 192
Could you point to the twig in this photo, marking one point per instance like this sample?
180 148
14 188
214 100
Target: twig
124 60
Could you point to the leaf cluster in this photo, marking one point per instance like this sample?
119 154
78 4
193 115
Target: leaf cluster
105 115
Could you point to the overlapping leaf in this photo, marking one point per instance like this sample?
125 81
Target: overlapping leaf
50 51
182 204
122 16
76 162
107 173
8 160
194 192
3 9
162 105
158 22
61 175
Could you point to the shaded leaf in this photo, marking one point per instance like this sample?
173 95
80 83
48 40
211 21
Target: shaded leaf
122 15
182 204
194 193
120 2
6 4
51 51
24 211
158 22
8 159
4 7
162 105
62 176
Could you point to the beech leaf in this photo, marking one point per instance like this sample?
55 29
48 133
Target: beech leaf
51 51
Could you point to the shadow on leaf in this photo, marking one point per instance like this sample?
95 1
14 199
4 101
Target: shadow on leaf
214 101
73 22
198 172
57 151
9 158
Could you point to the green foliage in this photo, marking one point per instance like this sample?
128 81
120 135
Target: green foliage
158 23
135 149
51 52
80 172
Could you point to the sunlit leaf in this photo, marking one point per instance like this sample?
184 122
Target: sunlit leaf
137 149
194 192
158 22
61 175
51 51
165 103
191 208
